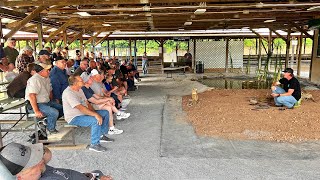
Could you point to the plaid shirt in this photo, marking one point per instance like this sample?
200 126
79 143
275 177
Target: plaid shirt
22 62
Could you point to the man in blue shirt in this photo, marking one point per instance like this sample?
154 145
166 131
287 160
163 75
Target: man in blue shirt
59 79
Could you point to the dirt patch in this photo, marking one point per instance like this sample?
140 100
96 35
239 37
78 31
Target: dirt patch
228 114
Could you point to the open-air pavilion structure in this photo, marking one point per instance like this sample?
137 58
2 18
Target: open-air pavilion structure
104 20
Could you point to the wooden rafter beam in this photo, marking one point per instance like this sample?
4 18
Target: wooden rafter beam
27 19
22 3
102 39
301 30
75 37
29 28
92 37
279 35
61 28
258 34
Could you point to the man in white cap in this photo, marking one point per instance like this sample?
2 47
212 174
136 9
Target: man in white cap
39 93
24 58
11 51
30 163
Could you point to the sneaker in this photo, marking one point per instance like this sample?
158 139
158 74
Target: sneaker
97 148
115 131
106 139
123 115
54 131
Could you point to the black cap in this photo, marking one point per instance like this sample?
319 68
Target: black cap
288 70
44 52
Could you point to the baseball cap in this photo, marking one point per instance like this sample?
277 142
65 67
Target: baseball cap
44 52
17 157
288 70
85 76
41 66
11 39
94 72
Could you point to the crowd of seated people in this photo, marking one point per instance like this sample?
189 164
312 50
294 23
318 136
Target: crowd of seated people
88 92
42 82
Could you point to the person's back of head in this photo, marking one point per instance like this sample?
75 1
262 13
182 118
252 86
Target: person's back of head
30 67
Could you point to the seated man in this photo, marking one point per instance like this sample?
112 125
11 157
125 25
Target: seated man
30 163
39 93
59 79
82 68
291 92
78 111
102 103
17 87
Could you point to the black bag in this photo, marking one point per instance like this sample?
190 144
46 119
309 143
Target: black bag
42 133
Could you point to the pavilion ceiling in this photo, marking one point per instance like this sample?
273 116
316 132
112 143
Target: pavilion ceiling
158 15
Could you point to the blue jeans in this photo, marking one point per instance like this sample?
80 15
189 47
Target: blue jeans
145 66
96 130
287 101
52 111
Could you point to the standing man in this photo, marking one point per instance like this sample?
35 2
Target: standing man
59 79
11 51
145 63
39 93
291 91
78 111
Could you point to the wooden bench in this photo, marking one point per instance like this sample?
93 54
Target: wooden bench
25 125
170 70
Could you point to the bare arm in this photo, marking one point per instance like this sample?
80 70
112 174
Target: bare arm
99 101
33 102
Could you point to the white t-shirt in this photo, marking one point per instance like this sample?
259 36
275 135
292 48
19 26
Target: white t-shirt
98 88
39 85
71 99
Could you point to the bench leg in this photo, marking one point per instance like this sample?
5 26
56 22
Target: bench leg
1 143
73 137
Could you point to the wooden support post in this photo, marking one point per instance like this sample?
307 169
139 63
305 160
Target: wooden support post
19 47
40 35
162 54
108 49
269 49
145 45
81 44
65 40
257 44
114 48
259 54
299 54
34 49
194 65
227 55
130 53
287 48
1 37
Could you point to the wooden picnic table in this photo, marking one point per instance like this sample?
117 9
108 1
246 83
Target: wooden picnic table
172 69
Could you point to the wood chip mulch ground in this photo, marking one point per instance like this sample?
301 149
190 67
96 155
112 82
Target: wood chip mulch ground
228 114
